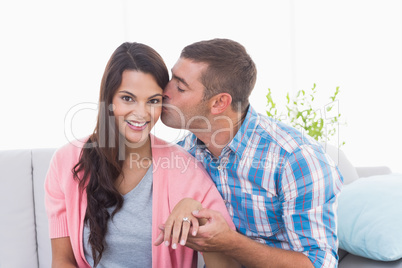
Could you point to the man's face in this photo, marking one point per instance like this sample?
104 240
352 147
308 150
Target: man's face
183 103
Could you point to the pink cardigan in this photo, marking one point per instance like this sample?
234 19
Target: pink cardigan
176 175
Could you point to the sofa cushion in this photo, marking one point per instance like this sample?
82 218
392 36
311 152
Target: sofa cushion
17 225
346 168
370 217
353 261
372 171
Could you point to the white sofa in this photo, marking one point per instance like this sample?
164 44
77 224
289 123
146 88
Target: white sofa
24 235
24 238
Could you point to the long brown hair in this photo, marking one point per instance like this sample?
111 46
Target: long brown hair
99 161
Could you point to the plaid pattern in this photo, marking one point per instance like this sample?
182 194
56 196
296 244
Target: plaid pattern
279 186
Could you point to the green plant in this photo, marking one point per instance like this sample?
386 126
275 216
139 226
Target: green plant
303 116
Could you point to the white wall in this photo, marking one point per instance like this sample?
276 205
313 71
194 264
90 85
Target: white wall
356 45
53 55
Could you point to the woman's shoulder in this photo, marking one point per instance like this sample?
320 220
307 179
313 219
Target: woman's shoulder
161 147
64 159
174 159
70 151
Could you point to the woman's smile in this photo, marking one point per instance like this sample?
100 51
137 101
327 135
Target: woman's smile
134 125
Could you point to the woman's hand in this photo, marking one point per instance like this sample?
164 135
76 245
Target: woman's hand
179 223
62 253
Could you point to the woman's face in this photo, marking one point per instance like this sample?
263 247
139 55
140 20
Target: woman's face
137 105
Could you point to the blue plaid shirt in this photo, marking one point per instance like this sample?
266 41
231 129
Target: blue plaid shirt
279 186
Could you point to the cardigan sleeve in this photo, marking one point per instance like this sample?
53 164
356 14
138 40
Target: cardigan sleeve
55 201
213 200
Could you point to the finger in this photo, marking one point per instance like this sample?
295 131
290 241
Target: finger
184 232
168 232
195 226
176 233
203 213
194 243
159 239
203 216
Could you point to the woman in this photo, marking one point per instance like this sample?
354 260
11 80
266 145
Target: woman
106 198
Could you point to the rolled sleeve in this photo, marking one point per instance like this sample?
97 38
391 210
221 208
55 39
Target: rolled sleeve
310 185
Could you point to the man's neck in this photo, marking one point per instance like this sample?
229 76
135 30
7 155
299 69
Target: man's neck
223 130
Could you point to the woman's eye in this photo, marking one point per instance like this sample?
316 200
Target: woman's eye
154 101
127 98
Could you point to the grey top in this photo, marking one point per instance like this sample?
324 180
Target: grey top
128 238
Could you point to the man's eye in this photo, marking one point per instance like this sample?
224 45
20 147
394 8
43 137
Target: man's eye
127 98
180 90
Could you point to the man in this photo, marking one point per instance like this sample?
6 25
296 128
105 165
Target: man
279 186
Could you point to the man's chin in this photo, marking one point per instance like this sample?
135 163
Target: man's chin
169 121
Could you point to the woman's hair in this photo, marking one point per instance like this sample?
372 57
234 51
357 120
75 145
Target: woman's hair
230 69
99 162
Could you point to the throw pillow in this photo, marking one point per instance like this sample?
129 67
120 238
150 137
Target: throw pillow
370 217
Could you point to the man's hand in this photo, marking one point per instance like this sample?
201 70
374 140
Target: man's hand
213 235
216 236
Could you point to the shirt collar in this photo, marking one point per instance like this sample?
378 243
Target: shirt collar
194 141
245 132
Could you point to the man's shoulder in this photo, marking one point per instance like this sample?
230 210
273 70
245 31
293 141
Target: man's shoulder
280 134
297 144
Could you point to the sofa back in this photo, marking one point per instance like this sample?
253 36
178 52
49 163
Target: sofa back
24 236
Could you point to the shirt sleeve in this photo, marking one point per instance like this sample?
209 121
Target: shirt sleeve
309 188
55 201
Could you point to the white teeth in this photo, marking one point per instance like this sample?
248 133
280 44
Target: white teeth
137 124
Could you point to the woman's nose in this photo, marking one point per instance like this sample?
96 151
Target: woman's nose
141 111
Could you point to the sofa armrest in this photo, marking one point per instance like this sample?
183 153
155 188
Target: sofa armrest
372 171
17 224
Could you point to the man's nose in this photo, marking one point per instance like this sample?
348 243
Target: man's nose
167 90
166 93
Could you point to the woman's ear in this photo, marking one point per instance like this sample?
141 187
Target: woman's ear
220 103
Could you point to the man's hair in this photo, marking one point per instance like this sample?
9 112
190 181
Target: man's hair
230 69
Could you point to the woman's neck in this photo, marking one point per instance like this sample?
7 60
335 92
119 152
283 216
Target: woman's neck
136 153
138 160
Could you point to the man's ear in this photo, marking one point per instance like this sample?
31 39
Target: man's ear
220 103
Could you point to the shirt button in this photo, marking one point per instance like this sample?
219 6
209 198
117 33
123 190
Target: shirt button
219 167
